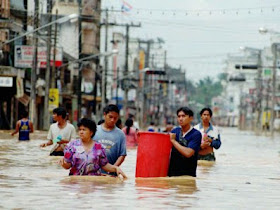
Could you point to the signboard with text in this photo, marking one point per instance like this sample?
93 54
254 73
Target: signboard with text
24 56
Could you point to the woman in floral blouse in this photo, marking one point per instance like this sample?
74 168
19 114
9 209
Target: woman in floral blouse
85 156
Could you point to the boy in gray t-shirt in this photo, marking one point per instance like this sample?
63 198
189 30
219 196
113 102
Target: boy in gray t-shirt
113 141
111 136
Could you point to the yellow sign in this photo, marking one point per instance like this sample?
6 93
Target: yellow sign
53 98
141 59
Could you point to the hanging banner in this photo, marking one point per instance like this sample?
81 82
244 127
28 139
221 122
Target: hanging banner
20 90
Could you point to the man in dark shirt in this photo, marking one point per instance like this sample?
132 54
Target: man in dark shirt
186 143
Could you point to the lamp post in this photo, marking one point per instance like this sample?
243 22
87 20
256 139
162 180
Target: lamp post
59 21
275 48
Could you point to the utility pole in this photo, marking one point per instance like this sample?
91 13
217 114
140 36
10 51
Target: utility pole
105 69
259 92
275 47
104 74
54 53
47 75
32 106
80 64
125 99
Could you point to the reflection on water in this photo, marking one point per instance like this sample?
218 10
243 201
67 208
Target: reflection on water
245 176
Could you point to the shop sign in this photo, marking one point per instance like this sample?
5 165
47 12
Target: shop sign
6 81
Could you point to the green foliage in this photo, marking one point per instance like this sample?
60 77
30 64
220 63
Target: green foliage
202 93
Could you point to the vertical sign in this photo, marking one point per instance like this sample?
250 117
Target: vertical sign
53 98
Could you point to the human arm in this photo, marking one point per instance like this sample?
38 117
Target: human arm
31 127
216 143
66 161
185 151
65 164
121 151
112 168
17 128
50 142
49 137
120 160
71 137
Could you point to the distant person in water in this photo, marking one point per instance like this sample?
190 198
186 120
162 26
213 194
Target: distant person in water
151 127
24 127
210 136
119 124
130 134
168 128
85 156
60 133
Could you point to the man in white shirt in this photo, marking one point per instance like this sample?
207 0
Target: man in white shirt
60 133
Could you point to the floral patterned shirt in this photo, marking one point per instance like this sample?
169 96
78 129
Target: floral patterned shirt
85 163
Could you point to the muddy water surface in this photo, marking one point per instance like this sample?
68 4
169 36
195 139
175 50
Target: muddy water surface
246 175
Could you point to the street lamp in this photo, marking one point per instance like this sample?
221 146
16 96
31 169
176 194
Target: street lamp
60 20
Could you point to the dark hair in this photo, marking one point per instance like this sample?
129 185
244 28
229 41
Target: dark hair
152 123
186 110
128 124
111 108
206 109
60 111
119 123
24 114
100 122
90 124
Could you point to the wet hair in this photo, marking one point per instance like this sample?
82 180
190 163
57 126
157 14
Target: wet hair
119 123
186 110
90 124
60 111
206 109
111 108
100 122
128 124
24 114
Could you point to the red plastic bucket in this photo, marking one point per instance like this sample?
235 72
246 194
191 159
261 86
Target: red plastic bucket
153 154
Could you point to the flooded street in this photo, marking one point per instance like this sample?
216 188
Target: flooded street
246 175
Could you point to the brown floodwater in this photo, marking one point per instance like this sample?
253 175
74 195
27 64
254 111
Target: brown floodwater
246 175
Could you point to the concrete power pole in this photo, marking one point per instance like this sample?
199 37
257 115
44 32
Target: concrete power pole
46 122
32 105
54 52
275 47
104 72
105 69
80 64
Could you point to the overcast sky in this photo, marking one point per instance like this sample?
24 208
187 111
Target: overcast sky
199 34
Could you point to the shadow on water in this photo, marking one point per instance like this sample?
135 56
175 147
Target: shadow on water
182 184
90 184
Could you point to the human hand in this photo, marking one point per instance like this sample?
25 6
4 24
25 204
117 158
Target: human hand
205 144
44 145
120 172
172 137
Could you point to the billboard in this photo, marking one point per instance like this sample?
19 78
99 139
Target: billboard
24 56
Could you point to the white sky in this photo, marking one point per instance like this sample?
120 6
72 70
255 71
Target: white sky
199 34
